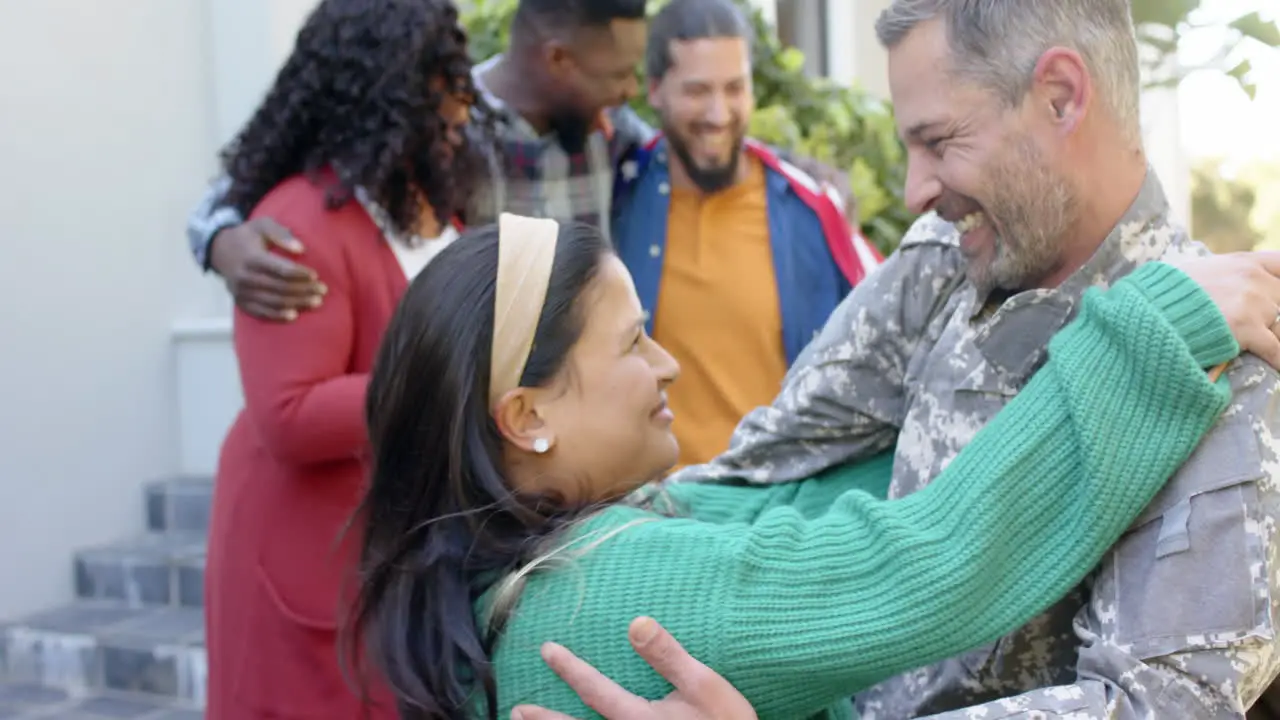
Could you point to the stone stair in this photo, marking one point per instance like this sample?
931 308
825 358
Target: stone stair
132 644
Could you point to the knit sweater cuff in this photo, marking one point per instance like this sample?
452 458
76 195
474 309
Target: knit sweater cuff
1189 309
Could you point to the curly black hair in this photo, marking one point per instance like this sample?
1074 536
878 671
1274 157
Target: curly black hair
361 94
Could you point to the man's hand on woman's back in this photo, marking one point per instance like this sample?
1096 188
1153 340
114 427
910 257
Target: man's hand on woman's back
264 283
700 693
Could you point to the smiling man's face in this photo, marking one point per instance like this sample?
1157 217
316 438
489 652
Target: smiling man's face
978 163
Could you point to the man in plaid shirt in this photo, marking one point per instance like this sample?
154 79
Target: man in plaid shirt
556 103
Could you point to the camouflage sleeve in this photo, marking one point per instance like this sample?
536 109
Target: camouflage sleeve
1180 620
844 397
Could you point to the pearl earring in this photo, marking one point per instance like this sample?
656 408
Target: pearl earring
541 445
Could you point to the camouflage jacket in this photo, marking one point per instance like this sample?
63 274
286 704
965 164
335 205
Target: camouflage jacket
1176 622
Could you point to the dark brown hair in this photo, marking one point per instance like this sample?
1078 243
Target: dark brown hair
362 93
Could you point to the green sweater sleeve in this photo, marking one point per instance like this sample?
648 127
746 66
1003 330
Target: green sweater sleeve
723 502
1016 520
800 612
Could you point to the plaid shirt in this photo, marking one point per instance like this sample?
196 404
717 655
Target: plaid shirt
530 175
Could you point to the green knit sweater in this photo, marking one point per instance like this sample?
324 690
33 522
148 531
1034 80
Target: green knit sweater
805 593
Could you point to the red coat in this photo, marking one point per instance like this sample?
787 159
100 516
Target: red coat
291 473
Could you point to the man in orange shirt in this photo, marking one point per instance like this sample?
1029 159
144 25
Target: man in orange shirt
738 256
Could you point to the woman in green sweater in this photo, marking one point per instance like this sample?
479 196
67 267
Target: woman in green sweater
517 401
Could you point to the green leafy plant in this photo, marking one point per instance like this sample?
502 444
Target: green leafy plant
1163 24
1221 208
845 127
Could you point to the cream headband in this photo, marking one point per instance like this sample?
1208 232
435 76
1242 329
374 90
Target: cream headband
526 250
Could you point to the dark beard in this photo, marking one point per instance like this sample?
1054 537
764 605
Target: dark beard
708 180
571 130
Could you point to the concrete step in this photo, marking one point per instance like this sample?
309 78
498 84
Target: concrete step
150 570
179 505
29 702
154 655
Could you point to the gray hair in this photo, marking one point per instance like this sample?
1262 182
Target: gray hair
681 20
997 43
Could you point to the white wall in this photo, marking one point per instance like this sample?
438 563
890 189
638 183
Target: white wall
104 115
852 34
249 41
1162 136
111 114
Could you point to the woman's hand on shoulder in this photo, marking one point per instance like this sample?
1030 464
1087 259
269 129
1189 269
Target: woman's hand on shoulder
1246 288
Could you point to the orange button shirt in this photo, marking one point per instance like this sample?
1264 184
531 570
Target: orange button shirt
718 312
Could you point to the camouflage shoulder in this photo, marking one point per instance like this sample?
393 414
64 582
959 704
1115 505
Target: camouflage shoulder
1181 245
930 248
930 229
1255 387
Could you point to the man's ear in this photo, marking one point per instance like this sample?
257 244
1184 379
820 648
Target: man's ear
1062 85
555 53
519 423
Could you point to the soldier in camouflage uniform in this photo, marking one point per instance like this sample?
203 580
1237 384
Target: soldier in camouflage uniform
1020 119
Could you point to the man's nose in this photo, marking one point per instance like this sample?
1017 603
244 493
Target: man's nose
718 112
922 187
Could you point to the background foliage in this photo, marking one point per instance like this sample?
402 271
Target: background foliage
1236 208
1220 209
1164 25
850 129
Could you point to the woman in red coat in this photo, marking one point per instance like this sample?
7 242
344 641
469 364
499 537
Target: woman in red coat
359 150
